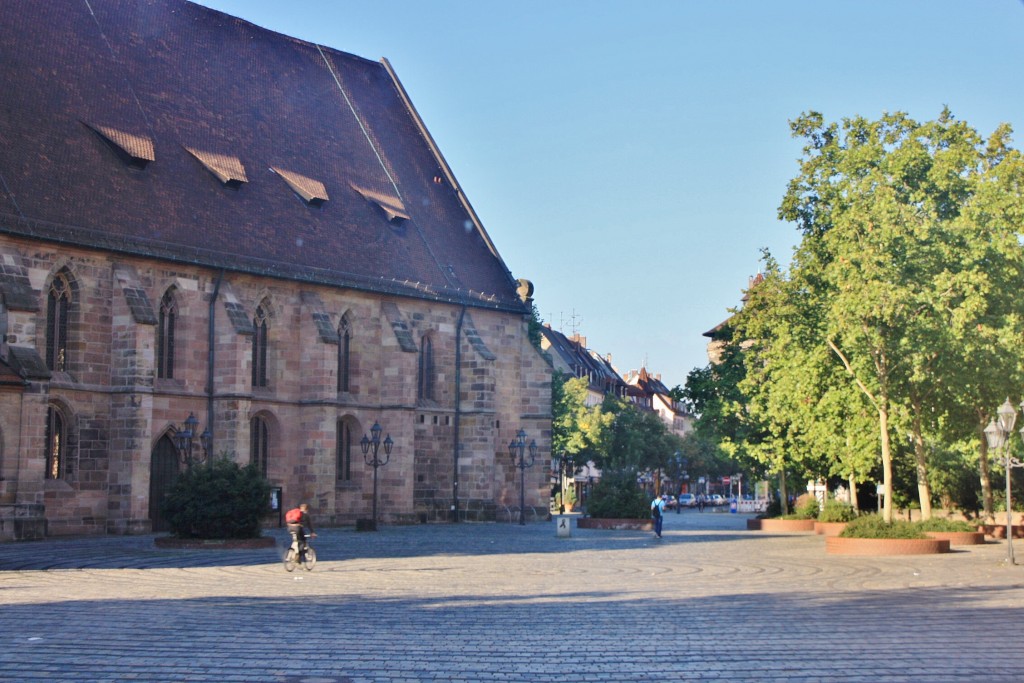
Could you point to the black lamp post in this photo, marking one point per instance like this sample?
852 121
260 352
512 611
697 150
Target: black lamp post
373 443
997 434
184 441
517 448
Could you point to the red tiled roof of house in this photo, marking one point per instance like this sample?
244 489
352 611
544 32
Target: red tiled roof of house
151 127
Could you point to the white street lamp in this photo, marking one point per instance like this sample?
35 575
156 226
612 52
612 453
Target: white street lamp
997 434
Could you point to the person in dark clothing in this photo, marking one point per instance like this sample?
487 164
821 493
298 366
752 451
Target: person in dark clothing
658 514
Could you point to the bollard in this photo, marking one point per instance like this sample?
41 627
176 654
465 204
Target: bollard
563 526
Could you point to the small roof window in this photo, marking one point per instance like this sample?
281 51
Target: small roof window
392 206
133 149
227 169
312 191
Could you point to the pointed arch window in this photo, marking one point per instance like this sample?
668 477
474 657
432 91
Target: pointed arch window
165 333
343 455
259 444
58 310
56 444
259 347
344 356
425 380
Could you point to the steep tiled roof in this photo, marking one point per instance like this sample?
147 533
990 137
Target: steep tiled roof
163 128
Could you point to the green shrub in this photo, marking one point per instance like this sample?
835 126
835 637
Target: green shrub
218 500
873 526
774 508
836 511
935 524
616 496
806 508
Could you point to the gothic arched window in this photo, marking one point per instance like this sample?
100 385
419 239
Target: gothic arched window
58 310
343 453
344 356
56 444
259 347
425 377
165 336
259 444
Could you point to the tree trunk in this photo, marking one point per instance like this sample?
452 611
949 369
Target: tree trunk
924 489
883 427
853 494
782 491
986 476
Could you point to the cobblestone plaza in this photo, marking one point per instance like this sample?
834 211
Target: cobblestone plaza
501 602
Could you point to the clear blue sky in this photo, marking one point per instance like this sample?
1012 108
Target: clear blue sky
629 157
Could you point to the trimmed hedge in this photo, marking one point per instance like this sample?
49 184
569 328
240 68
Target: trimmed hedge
616 496
218 500
873 526
953 525
836 511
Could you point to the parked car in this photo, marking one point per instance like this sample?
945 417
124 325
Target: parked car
670 502
687 500
716 499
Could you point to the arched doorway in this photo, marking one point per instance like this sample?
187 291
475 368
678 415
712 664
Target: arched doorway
163 472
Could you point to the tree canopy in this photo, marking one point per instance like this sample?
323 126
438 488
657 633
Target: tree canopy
898 313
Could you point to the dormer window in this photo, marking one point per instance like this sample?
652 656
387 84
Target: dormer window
133 149
227 169
392 206
310 191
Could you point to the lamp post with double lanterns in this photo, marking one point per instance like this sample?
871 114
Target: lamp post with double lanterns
517 448
373 443
184 442
997 434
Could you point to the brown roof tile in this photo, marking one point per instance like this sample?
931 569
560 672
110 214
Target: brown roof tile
238 97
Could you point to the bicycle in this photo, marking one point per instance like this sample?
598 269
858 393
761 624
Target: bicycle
295 555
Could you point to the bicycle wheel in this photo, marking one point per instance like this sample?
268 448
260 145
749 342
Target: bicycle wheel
309 558
290 559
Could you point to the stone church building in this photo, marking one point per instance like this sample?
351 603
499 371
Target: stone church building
202 217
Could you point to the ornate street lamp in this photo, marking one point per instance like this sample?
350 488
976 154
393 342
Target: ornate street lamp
184 441
517 448
373 443
997 434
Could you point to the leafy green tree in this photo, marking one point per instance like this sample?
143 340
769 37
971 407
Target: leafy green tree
889 249
577 430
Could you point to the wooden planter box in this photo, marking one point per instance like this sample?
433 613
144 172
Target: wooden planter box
959 537
627 524
781 525
837 545
999 530
829 528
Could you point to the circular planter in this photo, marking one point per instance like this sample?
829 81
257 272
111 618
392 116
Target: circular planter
829 528
214 544
999 530
958 537
781 525
627 524
837 545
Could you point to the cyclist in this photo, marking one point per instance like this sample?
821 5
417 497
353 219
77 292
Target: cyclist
299 520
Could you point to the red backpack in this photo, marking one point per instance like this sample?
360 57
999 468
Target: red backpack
293 516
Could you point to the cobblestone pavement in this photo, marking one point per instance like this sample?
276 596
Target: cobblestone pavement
498 602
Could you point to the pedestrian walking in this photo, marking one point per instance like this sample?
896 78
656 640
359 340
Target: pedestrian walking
658 513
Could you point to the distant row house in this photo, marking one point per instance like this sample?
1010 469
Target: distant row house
571 356
650 393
